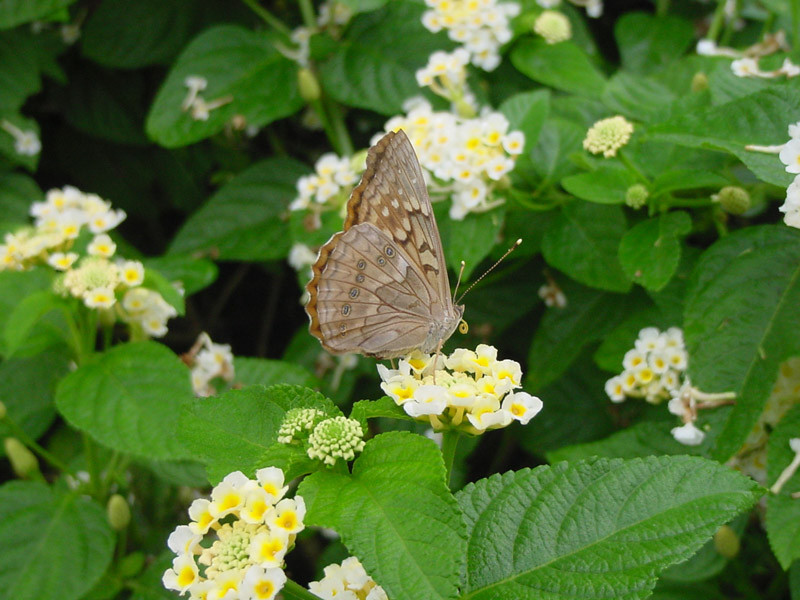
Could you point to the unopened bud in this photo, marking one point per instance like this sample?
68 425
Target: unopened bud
733 200
699 82
636 196
118 512
726 541
22 460
308 84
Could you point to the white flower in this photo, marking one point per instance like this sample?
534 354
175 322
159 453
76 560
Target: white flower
614 389
102 245
62 261
791 206
262 584
746 67
426 400
131 273
522 406
790 155
301 257
101 297
688 435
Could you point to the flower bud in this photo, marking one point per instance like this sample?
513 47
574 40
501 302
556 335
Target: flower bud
118 512
636 196
553 26
308 84
726 541
733 200
22 460
699 82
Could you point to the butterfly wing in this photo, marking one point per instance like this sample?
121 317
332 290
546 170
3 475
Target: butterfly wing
370 299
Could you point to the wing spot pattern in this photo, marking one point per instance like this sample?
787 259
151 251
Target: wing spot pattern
346 310
354 292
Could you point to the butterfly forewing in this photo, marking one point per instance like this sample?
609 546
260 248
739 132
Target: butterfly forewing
380 287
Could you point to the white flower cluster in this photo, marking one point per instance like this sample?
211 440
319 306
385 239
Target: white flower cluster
465 157
329 185
348 581
446 75
746 61
94 278
209 361
482 26
26 142
254 527
194 102
652 369
474 392
790 156
752 457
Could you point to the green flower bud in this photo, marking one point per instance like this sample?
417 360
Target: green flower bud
297 423
118 512
733 200
699 82
336 438
726 542
308 84
22 460
636 196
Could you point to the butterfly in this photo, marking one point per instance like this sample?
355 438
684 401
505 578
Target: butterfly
380 286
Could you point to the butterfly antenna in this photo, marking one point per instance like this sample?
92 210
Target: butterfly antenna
458 282
489 270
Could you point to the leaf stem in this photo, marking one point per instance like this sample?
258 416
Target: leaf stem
307 10
450 439
268 17
625 160
293 590
91 464
717 21
662 8
23 437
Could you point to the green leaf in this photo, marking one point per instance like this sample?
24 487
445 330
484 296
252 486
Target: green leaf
262 371
27 317
129 399
148 586
17 12
27 388
563 332
233 431
647 43
19 70
740 322
687 179
651 251
237 63
17 193
759 118
583 243
395 514
549 532
607 185
527 112
35 524
243 220
358 6
162 29
549 158
561 66
615 344
783 511
156 281
373 409
470 239
637 97
192 272
374 66
15 286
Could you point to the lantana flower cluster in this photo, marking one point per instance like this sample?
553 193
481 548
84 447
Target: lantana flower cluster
790 156
209 361
325 438
96 278
348 581
746 63
752 457
469 390
607 136
655 370
481 26
253 527
330 184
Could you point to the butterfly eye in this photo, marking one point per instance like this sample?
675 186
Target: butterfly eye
346 310
354 293
362 264
389 251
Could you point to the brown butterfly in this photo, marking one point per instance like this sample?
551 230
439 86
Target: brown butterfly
380 286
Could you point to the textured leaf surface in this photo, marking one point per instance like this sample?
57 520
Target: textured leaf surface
783 511
606 185
41 527
651 251
648 43
740 321
129 399
242 221
563 66
262 371
395 514
594 529
17 12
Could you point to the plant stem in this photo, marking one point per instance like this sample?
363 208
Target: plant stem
91 464
268 17
662 8
449 443
23 437
716 22
307 10
623 158
292 590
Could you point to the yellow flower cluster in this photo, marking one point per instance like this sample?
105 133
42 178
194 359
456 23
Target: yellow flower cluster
254 526
474 392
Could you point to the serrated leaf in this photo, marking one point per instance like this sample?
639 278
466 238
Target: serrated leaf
373 409
610 353
17 12
411 553
527 112
29 313
192 272
17 193
687 179
129 399
607 185
549 158
647 42
35 524
783 511
237 63
233 431
637 97
243 221
759 118
27 388
15 286
374 66
562 66
587 529
740 322
564 332
266 372
583 243
650 252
